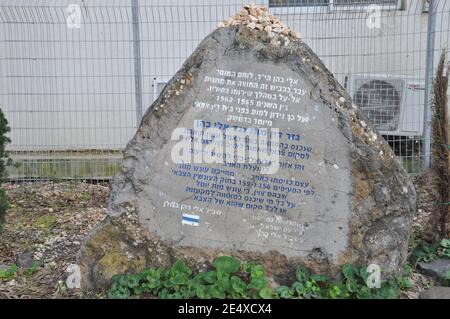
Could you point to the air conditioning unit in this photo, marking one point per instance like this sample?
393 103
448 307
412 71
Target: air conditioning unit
394 105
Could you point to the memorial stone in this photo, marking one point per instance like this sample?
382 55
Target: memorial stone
254 150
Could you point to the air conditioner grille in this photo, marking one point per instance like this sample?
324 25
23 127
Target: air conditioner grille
380 102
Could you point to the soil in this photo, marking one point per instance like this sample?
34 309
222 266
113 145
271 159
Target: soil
49 220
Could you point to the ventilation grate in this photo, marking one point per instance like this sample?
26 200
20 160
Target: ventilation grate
380 102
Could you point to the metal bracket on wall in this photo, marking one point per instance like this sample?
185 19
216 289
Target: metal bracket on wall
426 6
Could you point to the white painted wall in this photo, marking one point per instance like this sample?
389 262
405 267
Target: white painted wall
74 88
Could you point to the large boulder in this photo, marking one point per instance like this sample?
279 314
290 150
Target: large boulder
334 195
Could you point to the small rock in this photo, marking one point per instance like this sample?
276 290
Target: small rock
436 293
244 13
434 269
277 30
4 267
38 255
12 283
259 27
25 260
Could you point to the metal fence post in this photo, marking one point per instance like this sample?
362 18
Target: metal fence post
137 59
429 76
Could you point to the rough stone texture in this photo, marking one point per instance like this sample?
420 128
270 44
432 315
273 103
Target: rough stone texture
361 210
258 17
25 260
436 293
435 268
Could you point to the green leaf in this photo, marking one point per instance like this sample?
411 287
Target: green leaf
164 293
364 274
175 295
120 293
132 281
138 291
187 292
217 291
179 267
349 272
179 279
151 284
238 286
389 290
320 278
363 293
302 274
115 278
351 285
445 243
202 292
123 281
283 292
446 278
151 279
405 283
257 271
445 252
114 286
257 283
424 251
208 277
336 291
149 274
299 288
225 282
266 293
446 275
227 264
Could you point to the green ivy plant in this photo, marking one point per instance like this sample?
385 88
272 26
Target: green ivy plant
228 279
428 252
231 279
446 278
352 286
444 249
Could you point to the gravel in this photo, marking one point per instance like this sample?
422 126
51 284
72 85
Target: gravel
46 223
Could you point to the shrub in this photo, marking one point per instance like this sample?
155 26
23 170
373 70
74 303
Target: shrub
440 162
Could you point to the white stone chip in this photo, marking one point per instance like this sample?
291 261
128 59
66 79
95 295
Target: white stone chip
258 17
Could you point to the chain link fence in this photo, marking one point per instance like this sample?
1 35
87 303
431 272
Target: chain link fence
76 76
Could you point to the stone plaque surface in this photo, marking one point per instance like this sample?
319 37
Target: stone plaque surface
304 205
336 194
